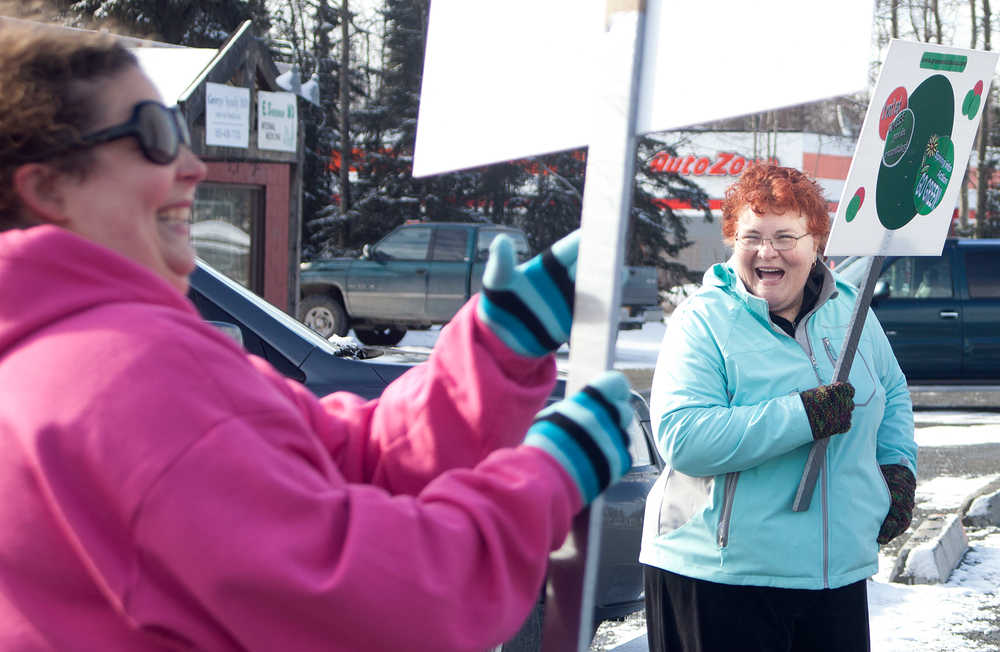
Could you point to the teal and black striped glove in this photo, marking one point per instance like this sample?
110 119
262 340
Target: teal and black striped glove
530 306
586 434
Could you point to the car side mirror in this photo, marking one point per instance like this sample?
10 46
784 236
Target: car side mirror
881 291
366 252
232 330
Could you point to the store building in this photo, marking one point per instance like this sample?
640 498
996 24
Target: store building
248 209
714 159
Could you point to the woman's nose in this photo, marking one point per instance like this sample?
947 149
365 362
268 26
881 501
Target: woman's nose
189 166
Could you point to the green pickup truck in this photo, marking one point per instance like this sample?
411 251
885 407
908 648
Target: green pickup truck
941 313
419 275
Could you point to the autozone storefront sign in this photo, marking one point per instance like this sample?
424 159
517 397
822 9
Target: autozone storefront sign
722 164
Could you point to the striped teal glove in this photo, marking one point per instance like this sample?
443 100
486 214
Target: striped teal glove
530 307
586 434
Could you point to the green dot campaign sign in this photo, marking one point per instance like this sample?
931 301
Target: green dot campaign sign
912 151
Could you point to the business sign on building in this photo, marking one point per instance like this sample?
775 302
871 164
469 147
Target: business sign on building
277 121
227 115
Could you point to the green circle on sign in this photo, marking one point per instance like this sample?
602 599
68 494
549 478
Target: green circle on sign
971 107
935 173
933 106
897 138
853 208
967 103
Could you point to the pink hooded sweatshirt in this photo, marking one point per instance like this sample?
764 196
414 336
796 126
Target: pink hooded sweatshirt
161 489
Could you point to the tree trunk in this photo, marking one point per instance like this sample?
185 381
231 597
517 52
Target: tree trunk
345 102
984 130
894 13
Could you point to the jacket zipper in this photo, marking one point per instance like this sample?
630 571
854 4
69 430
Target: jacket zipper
729 491
824 493
829 351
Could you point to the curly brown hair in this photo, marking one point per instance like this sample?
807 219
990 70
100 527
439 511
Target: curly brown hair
49 76
771 188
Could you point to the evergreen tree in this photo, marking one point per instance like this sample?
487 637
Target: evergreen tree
542 195
386 194
195 23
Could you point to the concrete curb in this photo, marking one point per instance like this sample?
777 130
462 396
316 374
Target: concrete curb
939 543
932 552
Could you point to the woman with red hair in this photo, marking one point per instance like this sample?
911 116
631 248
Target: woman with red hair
741 391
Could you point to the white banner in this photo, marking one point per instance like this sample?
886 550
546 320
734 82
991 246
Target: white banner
505 80
227 115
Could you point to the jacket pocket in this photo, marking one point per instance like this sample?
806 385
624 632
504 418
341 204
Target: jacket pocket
725 516
861 375
683 496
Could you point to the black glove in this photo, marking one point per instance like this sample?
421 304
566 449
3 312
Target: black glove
902 487
829 408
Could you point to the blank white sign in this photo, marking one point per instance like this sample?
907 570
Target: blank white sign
505 80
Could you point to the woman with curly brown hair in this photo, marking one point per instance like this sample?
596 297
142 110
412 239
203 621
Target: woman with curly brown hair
742 389
162 489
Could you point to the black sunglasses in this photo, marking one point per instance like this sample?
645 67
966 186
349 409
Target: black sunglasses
160 131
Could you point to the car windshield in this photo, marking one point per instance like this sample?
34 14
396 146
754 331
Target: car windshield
347 348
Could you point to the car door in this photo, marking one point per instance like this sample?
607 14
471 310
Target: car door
921 315
448 273
981 319
392 284
483 242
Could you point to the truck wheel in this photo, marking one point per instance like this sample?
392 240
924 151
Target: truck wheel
380 335
323 314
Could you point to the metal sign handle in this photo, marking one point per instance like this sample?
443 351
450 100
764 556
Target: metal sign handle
803 496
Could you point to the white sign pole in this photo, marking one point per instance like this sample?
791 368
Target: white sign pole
607 199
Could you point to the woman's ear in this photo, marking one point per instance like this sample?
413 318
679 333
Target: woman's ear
37 187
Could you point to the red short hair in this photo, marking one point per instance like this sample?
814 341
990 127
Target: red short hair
772 188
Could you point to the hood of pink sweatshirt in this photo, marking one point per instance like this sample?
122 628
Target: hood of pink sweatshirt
48 273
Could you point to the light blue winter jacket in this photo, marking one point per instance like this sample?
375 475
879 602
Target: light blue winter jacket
734 434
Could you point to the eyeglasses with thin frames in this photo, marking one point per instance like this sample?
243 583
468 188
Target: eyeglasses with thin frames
778 242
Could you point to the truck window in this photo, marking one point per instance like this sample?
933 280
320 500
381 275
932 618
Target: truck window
406 244
918 277
486 237
983 283
450 244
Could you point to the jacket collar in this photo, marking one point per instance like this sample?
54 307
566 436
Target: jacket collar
724 276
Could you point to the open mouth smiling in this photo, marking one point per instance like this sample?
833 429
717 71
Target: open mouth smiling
769 273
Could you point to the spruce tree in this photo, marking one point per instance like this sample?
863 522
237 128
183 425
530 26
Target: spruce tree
193 23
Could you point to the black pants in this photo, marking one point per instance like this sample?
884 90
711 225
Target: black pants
690 615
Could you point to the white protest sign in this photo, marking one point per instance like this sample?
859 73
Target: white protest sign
277 121
505 80
913 150
227 115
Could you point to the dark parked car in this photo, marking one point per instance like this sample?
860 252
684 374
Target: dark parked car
300 353
941 313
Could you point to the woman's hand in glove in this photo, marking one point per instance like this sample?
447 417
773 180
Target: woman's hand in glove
530 306
902 488
829 408
586 434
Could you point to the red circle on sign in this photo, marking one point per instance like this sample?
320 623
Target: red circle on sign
895 103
